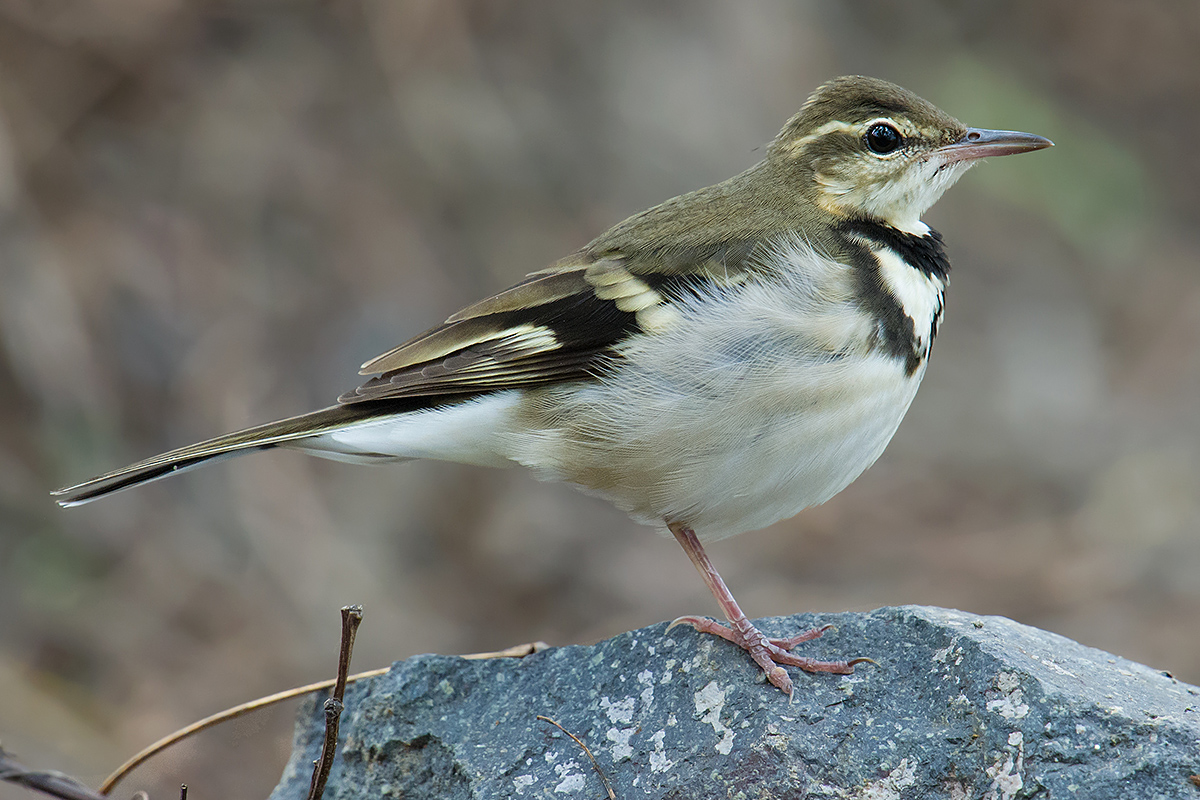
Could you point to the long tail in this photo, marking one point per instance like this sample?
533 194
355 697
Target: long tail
260 437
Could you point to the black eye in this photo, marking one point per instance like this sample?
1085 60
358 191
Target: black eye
882 139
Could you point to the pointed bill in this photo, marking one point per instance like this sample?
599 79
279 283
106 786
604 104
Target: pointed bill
979 143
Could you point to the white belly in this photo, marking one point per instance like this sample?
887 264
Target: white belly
726 463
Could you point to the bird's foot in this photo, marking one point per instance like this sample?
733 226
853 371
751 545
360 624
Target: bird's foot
769 653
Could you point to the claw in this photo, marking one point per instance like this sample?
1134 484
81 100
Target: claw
781 680
687 620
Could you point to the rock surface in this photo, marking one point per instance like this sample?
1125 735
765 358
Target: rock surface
959 707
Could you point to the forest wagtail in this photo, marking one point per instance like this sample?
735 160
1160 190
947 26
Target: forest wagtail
712 365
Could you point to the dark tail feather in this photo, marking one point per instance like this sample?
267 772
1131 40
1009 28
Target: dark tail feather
260 437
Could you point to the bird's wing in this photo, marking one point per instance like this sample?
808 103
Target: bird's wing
558 324
552 326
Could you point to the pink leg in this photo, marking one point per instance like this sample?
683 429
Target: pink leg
767 653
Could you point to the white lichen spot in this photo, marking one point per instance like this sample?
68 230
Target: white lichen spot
646 678
658 759
1079 728
523 782
621 749
940 655
571 784
573 780
1011 705
710 701
551 757
619 712
671 721
1006 775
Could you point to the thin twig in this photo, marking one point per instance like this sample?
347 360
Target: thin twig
183 791
224 716
351 617
516 651
324 762
578 741
55 784
137 760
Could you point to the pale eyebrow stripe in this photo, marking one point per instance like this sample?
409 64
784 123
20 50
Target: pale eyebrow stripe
833 126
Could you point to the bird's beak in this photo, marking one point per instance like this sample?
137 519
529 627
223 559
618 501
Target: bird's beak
980 143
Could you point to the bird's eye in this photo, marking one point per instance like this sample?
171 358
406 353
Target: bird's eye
882 139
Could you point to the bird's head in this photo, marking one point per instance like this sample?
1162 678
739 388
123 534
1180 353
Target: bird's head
864 147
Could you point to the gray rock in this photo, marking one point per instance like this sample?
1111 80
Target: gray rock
959 707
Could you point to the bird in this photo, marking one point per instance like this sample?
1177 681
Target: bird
712 365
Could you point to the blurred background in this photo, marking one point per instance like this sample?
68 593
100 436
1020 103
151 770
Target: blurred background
212 213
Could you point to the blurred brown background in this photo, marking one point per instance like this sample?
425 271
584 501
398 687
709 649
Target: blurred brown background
211 213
